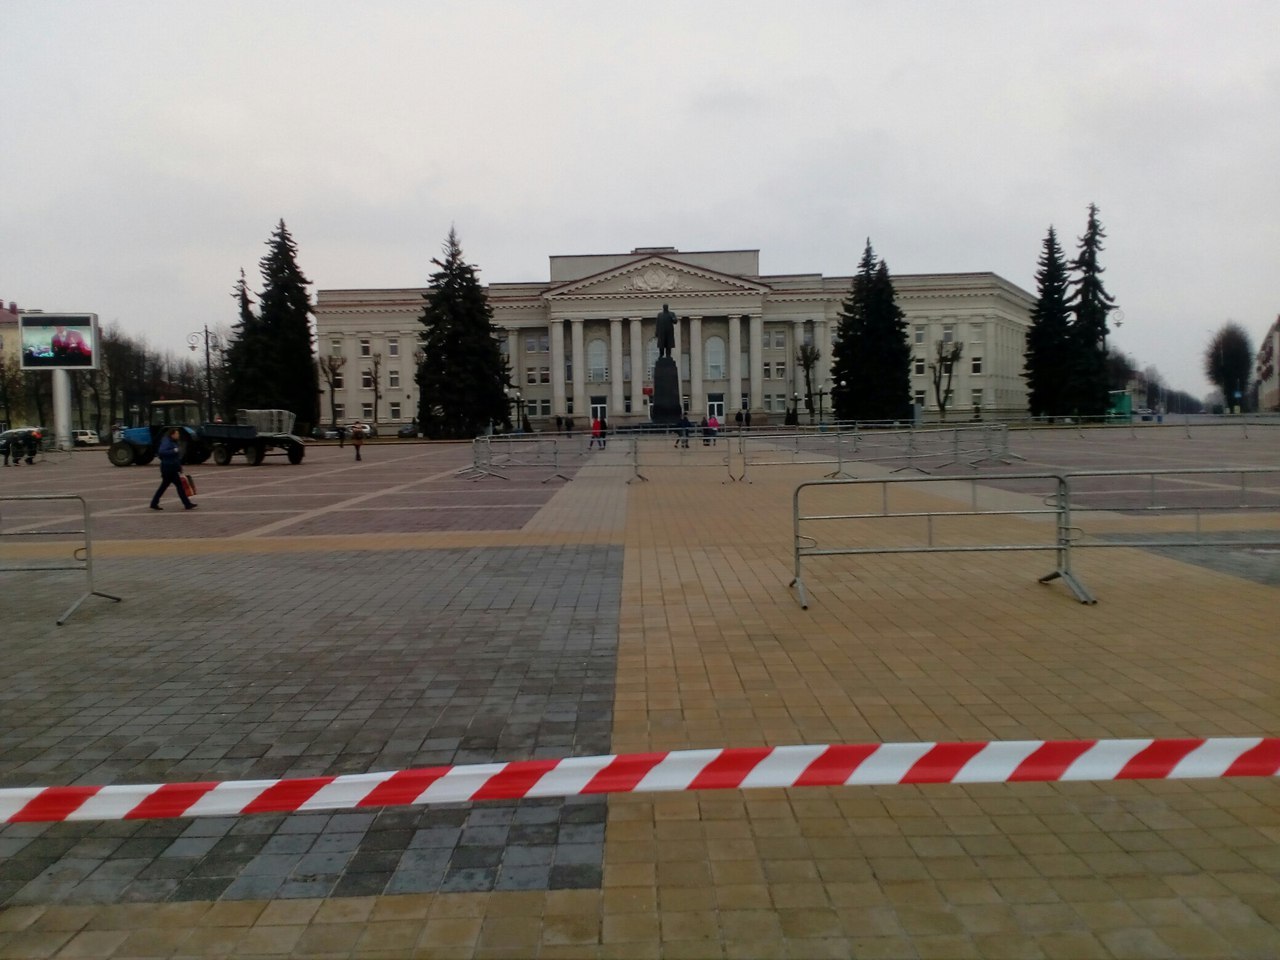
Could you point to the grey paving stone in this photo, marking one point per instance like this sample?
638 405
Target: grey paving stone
516 661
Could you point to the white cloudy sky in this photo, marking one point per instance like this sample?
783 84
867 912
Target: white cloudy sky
149 146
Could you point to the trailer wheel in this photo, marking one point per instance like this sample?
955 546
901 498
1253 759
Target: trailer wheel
221 455
295 452
120 454
255 454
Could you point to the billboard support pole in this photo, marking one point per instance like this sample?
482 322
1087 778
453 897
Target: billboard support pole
61 408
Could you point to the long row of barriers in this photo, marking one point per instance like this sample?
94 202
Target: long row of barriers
738 452
1045 512
18 521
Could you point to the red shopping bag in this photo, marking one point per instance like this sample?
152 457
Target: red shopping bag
188 485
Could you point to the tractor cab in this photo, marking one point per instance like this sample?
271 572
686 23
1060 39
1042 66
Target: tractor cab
175 413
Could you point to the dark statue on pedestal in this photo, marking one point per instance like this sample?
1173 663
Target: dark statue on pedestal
666 375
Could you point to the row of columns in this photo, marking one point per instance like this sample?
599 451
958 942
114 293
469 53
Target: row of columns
696 390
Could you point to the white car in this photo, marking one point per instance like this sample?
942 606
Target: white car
84 438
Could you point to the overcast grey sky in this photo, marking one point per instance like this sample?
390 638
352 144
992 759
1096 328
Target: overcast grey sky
151 146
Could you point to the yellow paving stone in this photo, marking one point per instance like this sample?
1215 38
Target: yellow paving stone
153 942
19 918
288 912
232 913
389 936
94 943
275 939
345 910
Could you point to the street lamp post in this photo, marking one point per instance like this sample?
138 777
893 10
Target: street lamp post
795 409
193 341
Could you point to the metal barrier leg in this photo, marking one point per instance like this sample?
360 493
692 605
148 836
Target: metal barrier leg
635 462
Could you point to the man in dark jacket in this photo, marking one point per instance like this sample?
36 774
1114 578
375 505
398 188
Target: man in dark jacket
170 454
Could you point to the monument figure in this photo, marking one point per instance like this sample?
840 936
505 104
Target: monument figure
665 329
666 375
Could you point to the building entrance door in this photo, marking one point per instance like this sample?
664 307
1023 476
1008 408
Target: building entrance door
599 408
715 406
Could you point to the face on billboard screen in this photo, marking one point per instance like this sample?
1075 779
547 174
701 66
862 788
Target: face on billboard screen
59 340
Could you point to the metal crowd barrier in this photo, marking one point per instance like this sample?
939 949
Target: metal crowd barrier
1166 496
81 557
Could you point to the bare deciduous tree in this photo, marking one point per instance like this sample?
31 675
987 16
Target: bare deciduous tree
946 356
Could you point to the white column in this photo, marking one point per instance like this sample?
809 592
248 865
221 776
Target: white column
616 401
821 340
557 366
676 349
580 406
697 396
734 403
637 369
755 344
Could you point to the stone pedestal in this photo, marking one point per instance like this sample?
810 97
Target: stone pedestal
666 392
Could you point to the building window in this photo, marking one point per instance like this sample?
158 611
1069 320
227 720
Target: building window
975 397
393 378
366 347
919 398
543 406
714 359
530 374
975 365
977 332
650 357
366 379
335 348
948 332
395 409
537 343
919 366
544 374
780 339
597 361
767 371
338 380
393 346
339 411
919 333
366 411
808 337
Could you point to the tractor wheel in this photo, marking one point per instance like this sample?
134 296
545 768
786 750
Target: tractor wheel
221 455
295 452
144 457
255 454
120 454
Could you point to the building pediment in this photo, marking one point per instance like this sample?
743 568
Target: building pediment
653 277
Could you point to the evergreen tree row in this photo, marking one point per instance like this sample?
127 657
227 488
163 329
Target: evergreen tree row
1065 362
271 361
871 358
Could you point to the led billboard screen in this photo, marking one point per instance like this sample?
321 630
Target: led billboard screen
52 340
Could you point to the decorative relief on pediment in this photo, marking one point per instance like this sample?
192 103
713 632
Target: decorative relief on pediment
654 280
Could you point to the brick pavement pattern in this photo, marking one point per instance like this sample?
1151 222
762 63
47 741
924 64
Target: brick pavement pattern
591 616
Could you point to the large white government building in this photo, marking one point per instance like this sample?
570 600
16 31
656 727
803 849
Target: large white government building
582 343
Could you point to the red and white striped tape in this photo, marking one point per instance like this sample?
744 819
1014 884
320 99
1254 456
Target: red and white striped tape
1008 761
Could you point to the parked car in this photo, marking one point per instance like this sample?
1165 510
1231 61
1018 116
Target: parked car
85 438
325 433
407 431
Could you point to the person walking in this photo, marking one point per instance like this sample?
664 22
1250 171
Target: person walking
714 423
597 435
170 454
358 431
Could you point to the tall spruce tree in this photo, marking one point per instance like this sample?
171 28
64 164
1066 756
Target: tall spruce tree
1048 351
245 353
463 375
272 359
871 357
1087 379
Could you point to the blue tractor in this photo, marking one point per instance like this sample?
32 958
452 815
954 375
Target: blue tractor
200 441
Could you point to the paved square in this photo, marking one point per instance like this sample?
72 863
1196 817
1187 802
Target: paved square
338 617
